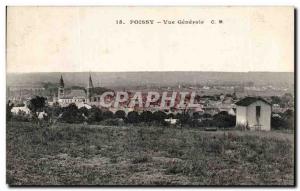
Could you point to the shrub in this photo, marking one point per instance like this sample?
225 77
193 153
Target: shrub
196 115
146 116
71 114
120 114
37 104
55 110
223 119
159 116
9 106
194 123
95 115
108 115
133 117
21 116
184 118
282 123
84 110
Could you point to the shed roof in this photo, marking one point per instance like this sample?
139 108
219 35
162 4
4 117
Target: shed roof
249 100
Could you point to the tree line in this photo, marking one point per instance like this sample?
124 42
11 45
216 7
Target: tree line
95 115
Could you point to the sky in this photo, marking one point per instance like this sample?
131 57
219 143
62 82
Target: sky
77 39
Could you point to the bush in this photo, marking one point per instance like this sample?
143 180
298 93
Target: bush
171 116
21 116
108 115
95 115
184 118
146 116
194 123
133 117
223 119
288 116
159 116
55 110
84 110
9 106
282 123
71 114
120 114
37 104
196 115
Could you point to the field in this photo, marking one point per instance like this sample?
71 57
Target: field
68 154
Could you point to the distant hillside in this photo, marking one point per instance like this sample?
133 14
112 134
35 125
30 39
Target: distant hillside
127 79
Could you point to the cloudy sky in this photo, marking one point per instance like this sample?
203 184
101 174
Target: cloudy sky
75 39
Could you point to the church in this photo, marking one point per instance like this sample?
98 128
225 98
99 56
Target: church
77 96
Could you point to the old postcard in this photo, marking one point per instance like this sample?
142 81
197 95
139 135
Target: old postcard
150 96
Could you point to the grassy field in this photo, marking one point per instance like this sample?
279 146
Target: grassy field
68 154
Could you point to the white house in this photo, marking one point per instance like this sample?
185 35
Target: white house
254 112
24 109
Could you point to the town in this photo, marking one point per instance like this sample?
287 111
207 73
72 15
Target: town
195 106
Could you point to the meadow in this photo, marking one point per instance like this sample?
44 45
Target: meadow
79 154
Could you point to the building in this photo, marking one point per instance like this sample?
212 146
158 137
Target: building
77 96
17 110
254 113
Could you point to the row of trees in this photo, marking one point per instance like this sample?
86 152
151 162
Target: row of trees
72 114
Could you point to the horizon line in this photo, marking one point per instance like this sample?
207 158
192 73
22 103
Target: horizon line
152 71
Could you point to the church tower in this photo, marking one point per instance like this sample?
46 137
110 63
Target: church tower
90 88
61 88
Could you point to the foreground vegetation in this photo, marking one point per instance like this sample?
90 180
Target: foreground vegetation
77 154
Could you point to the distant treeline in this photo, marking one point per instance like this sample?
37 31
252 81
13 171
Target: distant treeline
133 79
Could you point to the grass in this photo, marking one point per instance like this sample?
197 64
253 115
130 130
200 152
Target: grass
68 154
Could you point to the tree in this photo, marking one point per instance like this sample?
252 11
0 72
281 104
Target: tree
84 111
288 116
284 121
71 114
133 117
95 115
171 115
108 114
120 114
275 100
183 118
287 100
9 106
146 116
159 116
36 104
223 119
278 123
54 111
196 115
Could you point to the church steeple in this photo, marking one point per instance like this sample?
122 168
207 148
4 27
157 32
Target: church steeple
90 84
61 82
90 88
61 88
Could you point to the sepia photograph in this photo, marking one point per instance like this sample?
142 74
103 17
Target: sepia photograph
150 96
